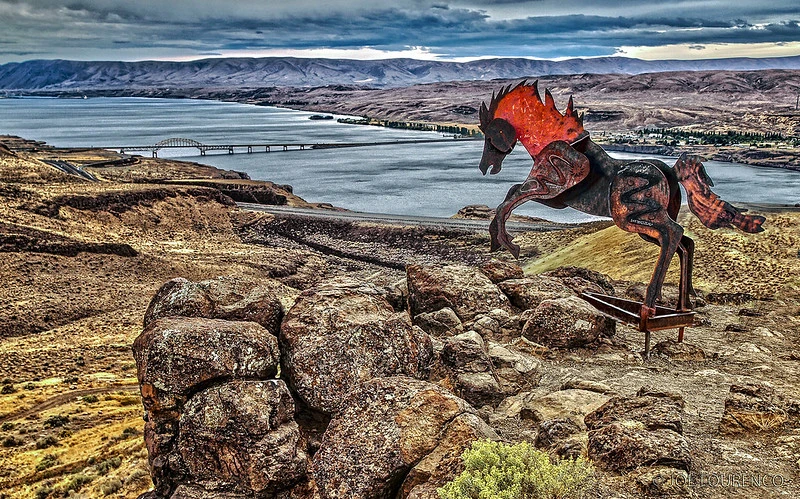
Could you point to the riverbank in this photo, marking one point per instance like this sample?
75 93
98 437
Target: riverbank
765 157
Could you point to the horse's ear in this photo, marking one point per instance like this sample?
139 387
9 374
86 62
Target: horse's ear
484 116
501 134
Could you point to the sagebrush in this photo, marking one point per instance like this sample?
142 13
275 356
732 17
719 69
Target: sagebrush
494 470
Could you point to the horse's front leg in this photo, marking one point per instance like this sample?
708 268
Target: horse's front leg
557 168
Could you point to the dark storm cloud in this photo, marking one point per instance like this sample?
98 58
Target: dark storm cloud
456 28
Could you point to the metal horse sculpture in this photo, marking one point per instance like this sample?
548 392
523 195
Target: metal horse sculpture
641 196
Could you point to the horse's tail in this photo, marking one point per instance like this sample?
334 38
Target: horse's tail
707 206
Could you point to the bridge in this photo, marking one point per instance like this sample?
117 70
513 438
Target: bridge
182 143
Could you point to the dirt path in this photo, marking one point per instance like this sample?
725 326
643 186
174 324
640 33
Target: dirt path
64 398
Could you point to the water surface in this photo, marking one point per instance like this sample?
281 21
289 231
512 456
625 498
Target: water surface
418 179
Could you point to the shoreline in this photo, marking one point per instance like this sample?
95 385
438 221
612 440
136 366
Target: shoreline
788 159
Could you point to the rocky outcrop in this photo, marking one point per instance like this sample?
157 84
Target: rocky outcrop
388 427
567 323
345 333
213 416
465 290
221 298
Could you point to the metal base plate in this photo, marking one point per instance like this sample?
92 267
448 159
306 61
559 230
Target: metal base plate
629 311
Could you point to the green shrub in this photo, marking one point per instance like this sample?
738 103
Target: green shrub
7 389
48 461
45 442
75 483
43 492
90 399
7 426
56 420
11 441
494 470
108 465
111 486
137 477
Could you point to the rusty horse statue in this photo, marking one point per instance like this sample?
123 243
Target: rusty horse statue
641 196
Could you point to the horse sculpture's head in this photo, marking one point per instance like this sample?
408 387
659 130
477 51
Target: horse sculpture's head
518 113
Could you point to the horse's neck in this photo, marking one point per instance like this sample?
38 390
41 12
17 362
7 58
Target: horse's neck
599 159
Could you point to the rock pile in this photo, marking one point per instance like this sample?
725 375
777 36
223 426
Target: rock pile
350 390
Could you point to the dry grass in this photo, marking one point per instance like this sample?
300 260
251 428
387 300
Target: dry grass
723 258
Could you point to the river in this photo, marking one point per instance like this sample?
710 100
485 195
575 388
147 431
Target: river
419 179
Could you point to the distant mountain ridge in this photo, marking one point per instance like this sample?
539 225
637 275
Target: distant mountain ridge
296 72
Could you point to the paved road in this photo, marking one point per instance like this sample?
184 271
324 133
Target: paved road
383 218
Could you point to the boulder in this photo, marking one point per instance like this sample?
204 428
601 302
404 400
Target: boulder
466 290
631 432
339 335
240 436
498 271
527 293
498 325
469 369
178 297
579 279
221 298
755 408
175 354
571 404
651 411
567 323
515 370
179 356
442 322
386 427
627 445
562 437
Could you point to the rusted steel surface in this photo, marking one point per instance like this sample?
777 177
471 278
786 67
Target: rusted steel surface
641 196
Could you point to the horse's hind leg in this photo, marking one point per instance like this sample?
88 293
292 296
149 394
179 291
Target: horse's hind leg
639 199
686 254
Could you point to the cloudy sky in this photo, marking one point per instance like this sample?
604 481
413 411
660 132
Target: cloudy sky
373 29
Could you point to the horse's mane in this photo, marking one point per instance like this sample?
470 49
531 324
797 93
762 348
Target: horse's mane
536 120
487 114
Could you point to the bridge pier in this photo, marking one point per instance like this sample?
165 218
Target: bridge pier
230 150
285 148
249 149
155 153
302 147
266 149
202 152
